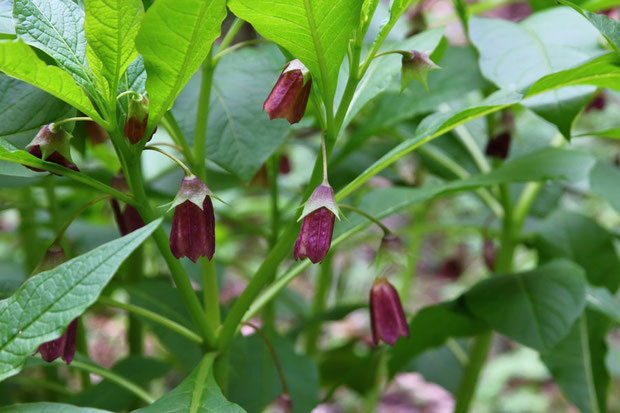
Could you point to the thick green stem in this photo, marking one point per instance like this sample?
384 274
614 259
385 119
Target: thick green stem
135 329
319 302
202 119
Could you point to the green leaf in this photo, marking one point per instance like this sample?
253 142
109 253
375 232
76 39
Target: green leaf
175 38
608 27
430 328
57 28
535 308
254 381
577 363
317 32
27 108
604 71
198 393
18 60
111 28
601 300
45 304
604 179
515 55
48 408
581 239
240 136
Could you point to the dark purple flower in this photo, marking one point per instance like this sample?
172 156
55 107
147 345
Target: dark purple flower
127 219
289 97
598 103
499 146
193 223
489 254
387 318
317 227
137 119
63 346
52 145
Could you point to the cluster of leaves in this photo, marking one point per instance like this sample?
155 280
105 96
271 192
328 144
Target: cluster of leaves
59 57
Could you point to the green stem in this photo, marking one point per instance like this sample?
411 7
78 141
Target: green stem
156 318
68 120
176 160
269 313
386 230
114 378
82 347
210 292
238 46
135 330
172 127
319 302
202 118
133 174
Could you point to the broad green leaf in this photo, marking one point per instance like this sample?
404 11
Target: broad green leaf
14 169
240 136
535 308
601 300
175 38
604 71
111 27
515 55
27 108
317 32
45 304
57 28
570 235
7 26
608 27
382 72
44 407
110 396
18 60
577 363
254 381
604 179
430 328
198 393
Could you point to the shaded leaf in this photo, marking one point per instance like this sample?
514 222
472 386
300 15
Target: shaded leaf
44 407
604 179
535 308
45 304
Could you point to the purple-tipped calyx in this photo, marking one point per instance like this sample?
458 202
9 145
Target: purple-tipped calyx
52 145
137 119
193 222
387 317
289 97
317 227
416 66
63 346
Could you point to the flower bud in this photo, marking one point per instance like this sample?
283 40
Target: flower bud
137 118
63 346
416 66
499 146
317 227
387 317
289 97
52 145
193 223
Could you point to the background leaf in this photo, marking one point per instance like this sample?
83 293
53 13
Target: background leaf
48 408
514 55
111 28
45 304
317 32
240 136
175 38
535 308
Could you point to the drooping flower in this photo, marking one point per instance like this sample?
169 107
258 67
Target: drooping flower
52 145
387 317
193 222
499 146
63 346
317 227
415 66
128 218
289 97
137 119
